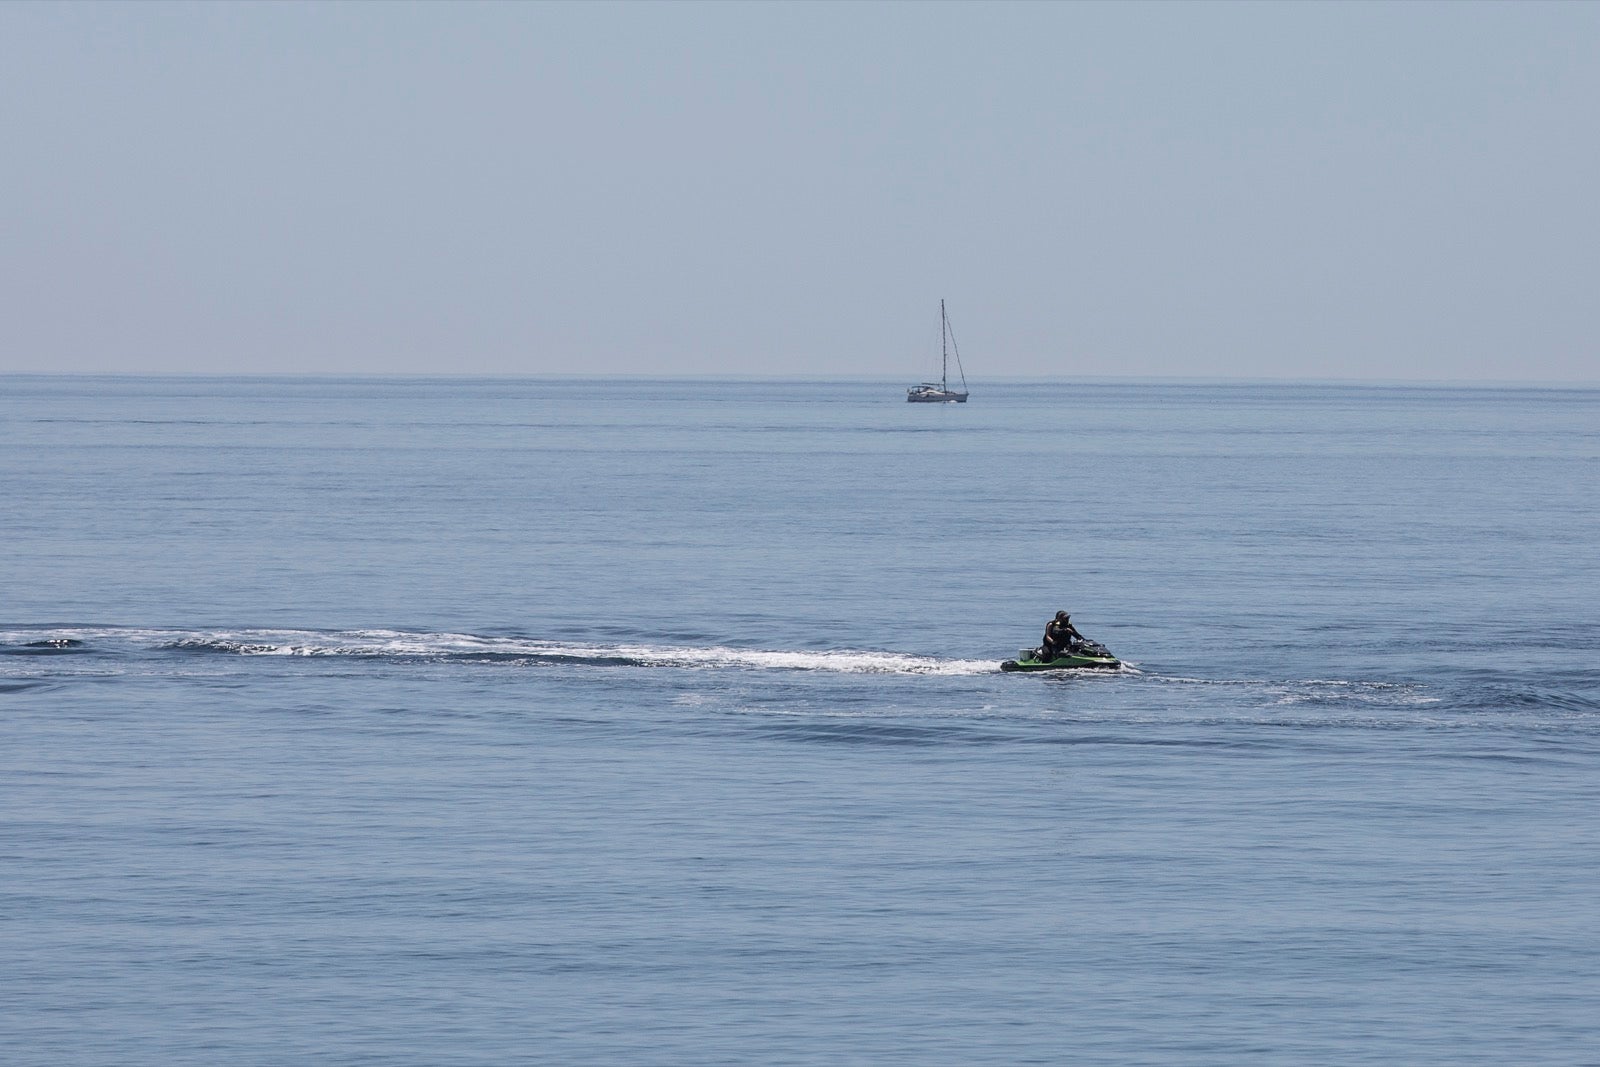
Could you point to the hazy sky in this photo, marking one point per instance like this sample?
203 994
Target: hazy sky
1265 190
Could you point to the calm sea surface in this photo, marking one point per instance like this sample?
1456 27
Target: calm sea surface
603 722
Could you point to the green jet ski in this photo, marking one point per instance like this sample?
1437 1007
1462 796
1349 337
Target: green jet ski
1082 654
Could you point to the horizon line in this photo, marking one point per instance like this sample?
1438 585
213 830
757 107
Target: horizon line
1486 383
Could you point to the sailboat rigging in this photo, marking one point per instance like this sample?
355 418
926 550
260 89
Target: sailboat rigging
940 392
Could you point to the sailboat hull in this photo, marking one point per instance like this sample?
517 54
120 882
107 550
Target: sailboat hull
925 395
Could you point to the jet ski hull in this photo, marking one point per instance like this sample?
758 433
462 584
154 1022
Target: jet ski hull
1083 655
1062 663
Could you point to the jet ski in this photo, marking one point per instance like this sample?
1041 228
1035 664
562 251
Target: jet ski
1080 655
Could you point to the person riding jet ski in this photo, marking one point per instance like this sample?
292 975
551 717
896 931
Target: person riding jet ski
1064 649
1059 636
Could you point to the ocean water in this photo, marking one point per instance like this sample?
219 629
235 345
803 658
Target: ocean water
599 722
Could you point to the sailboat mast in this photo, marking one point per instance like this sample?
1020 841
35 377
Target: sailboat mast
944 349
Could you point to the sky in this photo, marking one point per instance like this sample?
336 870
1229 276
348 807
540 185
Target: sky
1406 191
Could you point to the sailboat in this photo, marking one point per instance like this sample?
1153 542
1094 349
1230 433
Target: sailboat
940 392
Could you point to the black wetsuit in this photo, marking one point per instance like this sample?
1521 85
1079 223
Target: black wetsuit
1054 641
1058 637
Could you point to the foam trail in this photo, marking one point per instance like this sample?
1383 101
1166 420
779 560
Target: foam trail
467 647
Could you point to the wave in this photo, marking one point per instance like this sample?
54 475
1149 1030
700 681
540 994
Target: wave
45 646
1500 698
1316 690
397 644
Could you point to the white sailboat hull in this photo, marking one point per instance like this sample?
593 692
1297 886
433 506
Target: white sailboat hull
932 394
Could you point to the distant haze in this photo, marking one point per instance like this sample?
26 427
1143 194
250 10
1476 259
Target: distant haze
1398 191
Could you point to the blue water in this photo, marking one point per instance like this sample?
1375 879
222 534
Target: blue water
597 722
